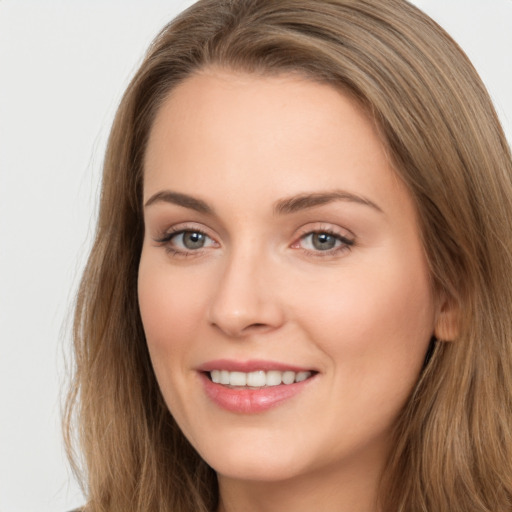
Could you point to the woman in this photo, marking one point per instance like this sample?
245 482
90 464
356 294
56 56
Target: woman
299 292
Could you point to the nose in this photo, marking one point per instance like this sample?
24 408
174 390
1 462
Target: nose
246 300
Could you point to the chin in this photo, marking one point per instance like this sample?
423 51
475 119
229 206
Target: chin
258 461
260 469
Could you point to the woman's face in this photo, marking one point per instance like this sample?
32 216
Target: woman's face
282 259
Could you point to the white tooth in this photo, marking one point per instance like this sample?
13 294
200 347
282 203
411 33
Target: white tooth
256 379
274 378
288 377
237 379
302 376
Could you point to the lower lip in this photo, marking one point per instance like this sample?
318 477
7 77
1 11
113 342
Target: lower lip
251 401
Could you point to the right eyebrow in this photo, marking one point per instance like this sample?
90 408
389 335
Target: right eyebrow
184 200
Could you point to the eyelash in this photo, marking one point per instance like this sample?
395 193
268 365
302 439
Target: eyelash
345 243
166 238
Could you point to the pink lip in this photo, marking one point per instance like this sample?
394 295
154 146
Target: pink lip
246 400
248 366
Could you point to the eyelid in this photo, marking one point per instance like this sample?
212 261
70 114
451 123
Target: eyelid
166 234
165 237
346 237
323 227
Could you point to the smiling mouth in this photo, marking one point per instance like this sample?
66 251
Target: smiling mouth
258 378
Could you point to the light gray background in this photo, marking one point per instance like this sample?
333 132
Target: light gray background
63 67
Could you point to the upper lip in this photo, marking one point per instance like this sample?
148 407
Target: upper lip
249 366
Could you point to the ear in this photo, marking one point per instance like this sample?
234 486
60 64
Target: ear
447 321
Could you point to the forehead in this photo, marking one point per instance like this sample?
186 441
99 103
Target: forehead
284 134
217 91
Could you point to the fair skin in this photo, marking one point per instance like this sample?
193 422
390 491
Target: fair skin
277 234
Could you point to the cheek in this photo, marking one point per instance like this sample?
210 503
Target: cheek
377 319
375 333
170 308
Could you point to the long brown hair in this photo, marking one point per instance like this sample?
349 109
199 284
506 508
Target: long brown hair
453 447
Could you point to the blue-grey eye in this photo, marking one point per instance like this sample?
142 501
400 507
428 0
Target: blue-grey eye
324 241
192 239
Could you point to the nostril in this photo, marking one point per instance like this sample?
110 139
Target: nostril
256 327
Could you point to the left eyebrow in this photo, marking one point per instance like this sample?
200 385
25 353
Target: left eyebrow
310 200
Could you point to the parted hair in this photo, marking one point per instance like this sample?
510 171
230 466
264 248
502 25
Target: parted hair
453 439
